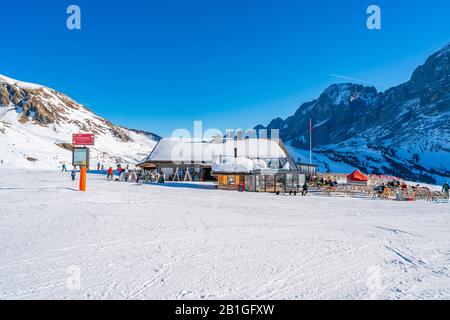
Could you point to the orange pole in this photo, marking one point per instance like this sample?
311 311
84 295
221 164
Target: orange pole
83 178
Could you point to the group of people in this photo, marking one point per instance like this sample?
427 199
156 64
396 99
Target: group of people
325 182
100 166
124 174
402 190
380 188
391 184
396 184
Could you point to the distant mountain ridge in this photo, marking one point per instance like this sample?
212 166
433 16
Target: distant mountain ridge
404 131
37 122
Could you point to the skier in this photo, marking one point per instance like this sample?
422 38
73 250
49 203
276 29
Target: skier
121 174
138 176
73 174
110 174
103 167
64 168
445 188
98 166
305 189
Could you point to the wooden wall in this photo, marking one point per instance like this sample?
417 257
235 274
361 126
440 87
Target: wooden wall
224 181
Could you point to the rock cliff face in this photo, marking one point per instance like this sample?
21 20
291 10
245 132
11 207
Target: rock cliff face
404 131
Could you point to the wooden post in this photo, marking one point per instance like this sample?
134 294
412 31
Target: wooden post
83 178
310 141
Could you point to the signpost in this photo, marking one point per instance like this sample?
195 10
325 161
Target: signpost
83 178
83 139
80 155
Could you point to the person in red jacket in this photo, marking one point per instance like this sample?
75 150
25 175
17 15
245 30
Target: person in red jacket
110 173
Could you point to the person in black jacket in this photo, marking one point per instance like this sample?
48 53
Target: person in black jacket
445 188
305 189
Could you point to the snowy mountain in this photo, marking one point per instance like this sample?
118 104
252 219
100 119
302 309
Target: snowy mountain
404 131
36 126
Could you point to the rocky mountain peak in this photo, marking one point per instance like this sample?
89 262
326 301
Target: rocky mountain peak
434 72
44 106
35 118
346 93
403 131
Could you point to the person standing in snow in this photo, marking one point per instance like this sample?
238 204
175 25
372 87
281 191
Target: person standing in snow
110 174
305 189
73 174
123 174
98 166
445 188
64 168
138 176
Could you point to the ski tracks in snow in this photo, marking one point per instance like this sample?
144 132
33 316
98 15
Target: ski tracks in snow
160 242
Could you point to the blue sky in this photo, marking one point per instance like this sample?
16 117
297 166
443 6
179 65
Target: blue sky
160 65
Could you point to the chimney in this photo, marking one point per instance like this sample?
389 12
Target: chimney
218 139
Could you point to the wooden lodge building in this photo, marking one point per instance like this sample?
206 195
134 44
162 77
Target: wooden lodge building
253 164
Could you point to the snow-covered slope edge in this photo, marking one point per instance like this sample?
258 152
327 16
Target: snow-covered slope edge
37 122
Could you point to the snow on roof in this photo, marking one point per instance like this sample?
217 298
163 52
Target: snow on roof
24 85
188 150
238 165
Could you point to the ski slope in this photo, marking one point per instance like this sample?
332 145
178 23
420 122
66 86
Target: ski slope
37 123
177 241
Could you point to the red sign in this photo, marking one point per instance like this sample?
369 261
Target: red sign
83 139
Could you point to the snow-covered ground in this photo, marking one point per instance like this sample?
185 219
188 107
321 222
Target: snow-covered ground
129 241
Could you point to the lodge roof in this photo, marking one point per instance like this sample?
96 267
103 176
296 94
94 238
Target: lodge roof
200 151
